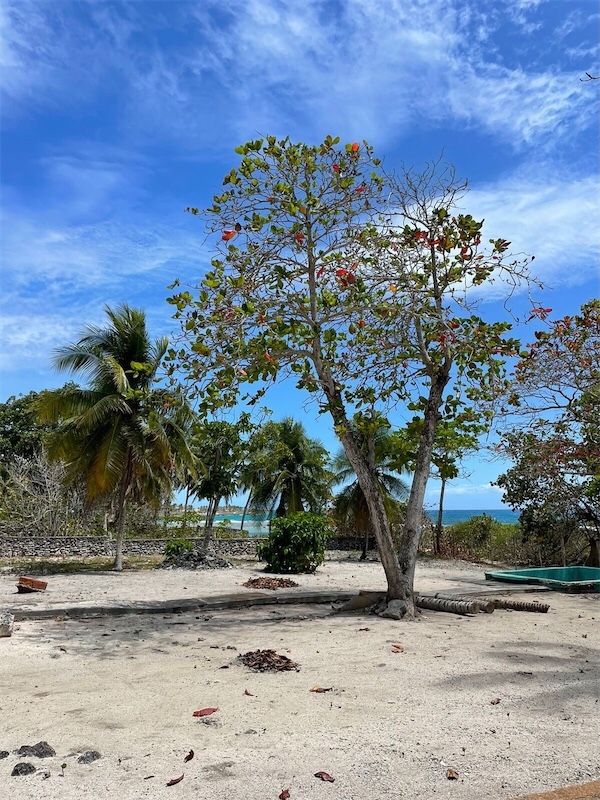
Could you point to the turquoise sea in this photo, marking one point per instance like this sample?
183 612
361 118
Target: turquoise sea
261 528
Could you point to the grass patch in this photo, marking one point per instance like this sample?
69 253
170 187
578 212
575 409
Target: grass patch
69 566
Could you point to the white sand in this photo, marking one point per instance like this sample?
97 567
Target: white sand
390 728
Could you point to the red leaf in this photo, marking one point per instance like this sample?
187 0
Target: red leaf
321 272
452 774
324 777
397 648
173 781
284 795
227 235
320 690
355 147
335 168
189 757
204 712
247 693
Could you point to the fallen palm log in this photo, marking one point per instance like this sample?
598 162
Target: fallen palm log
505 603
486 605
452 606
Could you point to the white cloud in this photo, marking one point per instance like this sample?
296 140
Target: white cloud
365 68
547 214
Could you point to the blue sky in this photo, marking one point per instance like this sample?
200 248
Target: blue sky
117 115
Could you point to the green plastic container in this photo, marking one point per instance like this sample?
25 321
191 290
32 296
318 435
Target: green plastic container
563 579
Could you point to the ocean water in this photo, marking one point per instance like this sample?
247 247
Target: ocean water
261 527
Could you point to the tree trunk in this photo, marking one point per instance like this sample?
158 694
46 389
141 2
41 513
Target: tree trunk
185 507
411 532
593 559
213 507
245 511
121 504
367 480
437 543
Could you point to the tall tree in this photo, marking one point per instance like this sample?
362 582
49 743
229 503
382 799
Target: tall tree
292 475
360 284
220 449
122 434
350 504
556 395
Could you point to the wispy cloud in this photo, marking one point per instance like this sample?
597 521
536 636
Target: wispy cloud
547 214
369 68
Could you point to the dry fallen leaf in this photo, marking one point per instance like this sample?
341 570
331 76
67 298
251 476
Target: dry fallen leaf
397 648
147 778
321 690
324 777
364 629
247 693
189 757
495 701
204 712
452 774
284 795
173 781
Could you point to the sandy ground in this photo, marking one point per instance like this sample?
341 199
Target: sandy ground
390 728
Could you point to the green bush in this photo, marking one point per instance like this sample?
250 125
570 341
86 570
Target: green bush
177 547
296 543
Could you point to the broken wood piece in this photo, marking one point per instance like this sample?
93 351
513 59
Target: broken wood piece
501 602
487 605
455 606
31 585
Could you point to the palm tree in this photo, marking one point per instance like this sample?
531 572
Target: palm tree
350 505
121 436
289 472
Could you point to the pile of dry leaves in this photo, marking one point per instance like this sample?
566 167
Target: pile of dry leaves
268 661
270 583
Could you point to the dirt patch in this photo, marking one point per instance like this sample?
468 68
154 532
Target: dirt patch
271 583
268 661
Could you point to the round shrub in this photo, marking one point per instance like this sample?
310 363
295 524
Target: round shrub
296 543
177 547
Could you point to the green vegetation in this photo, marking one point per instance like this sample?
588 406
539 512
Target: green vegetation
177 547
296 543
121 436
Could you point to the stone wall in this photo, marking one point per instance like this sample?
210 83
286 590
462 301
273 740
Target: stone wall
90 546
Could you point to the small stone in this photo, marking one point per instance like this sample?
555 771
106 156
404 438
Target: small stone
88 757
395 609
4 754
7 622
41 750
23 768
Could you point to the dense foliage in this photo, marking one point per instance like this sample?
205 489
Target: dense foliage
296 543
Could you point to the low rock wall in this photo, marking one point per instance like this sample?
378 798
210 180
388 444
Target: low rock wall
90 546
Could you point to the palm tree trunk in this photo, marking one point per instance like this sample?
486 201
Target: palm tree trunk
437 542
245 511
121 504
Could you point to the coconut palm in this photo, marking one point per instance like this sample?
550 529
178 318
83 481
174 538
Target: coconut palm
350 505
122 436
288 473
